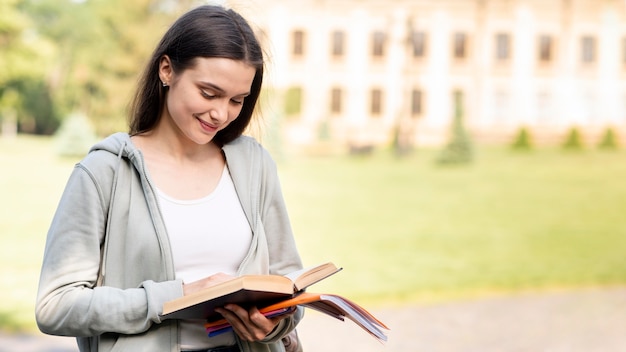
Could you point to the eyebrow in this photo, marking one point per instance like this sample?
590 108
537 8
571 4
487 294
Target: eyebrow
220 90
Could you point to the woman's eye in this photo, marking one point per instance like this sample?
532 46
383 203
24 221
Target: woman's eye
207 95
238 102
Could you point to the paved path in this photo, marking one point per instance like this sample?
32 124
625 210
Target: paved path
591 320
581 321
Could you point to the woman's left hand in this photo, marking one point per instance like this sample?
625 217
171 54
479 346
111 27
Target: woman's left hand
250 325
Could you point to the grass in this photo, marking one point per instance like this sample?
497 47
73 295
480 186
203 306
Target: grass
405 230
31 182
409 230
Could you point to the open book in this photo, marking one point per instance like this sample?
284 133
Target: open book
246 291
333 305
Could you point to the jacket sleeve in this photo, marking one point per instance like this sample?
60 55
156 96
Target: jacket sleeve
68 301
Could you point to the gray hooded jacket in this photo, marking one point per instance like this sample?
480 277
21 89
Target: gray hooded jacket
108 267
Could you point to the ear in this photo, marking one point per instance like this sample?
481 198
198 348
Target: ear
165 70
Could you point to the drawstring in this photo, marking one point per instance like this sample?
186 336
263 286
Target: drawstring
103 249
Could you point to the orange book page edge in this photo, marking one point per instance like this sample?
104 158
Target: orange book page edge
302 298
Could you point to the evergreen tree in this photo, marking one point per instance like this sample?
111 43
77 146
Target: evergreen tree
609 140
459 148
573 140
523 140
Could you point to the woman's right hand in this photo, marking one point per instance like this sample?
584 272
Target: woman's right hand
206 282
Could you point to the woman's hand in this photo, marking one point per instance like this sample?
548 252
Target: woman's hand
206 282
250 325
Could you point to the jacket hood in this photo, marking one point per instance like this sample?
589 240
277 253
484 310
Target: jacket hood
117 143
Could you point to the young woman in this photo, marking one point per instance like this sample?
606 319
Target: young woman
181 202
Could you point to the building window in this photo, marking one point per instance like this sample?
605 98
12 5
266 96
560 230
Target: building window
587 105
501 104
376 100
338 43
336 100
298 43
293 101
460 46
544 106
378 44
416 102
418 44
503 47
588 49
546 48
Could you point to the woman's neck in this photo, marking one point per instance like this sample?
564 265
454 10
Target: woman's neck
179 167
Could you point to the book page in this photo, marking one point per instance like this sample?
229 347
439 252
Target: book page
357 314
308 276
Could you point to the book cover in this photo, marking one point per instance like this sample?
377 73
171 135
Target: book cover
246 291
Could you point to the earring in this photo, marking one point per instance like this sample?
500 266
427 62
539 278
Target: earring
164 84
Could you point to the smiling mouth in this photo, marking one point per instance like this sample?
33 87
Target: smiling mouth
206 125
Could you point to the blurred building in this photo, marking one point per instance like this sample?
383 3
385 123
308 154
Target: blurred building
363 72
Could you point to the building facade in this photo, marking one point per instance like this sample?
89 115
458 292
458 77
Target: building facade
363 72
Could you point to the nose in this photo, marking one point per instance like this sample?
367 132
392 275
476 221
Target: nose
219 112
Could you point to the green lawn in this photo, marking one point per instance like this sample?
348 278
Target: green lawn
31 182
405 230
409 230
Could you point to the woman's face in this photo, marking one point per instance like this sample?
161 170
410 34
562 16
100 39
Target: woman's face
205 98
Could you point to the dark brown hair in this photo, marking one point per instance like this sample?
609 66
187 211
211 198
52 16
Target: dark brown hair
206 31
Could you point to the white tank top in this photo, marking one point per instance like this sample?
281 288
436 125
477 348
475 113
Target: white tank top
208 235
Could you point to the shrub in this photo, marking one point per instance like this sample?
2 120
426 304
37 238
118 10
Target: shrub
609 140
523 140
75 136
573 140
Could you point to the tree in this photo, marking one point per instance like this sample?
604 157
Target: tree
23 59
132 29
609 140
573 140
100 48
459 148
523 140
